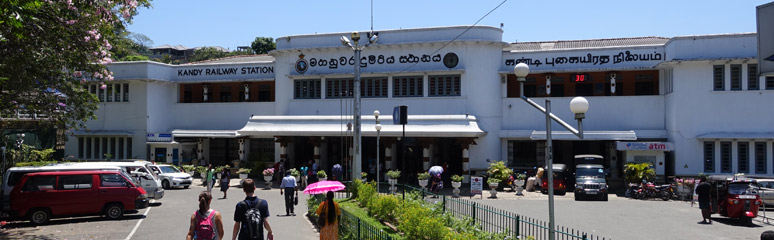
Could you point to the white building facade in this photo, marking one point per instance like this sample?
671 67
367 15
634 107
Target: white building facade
689 105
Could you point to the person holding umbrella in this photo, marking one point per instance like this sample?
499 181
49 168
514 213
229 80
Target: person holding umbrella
435 175
331 213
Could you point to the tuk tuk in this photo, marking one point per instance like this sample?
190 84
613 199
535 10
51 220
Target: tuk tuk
560 183
734 197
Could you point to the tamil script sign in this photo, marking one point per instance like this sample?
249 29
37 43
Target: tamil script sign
476 185
644 146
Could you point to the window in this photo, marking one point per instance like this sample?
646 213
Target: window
644 84
104 148
93 89
760 157
100 94
112 148
40 183
187 94
126 92
718 75
448 85
129 148
725 157
531 89
225 93
120 148
373 87
88 147
709 157
769 83
306 89
80 148
752 77
409 86
109 92
557 87
264 93
97 147
584 89
117 93
743 157
339 88
112 180
736 77
74 182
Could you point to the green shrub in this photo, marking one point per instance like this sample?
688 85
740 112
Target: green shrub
294 172
321 174
498 170
244 171
312 202
493 181
355 186
418 222
365 193
423 176
189 168
383 207
393 174
456 178
34 164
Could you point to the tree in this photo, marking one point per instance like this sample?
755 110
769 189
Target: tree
130 46
50 49
263 45
635 172
207 53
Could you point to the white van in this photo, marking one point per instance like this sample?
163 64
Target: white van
147 178
14 174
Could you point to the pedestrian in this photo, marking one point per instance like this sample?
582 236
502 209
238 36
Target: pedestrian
250 217
703 190
206 223
209 179
280 170
767 235
311 173
302 170
330 211
225 180
337 172
289 184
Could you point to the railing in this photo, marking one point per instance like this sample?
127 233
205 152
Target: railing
496 220
352 227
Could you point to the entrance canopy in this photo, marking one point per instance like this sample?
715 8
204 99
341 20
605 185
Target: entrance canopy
418 126
565 135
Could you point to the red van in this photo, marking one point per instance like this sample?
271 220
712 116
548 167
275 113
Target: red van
40 196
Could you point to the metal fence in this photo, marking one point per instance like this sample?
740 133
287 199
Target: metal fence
496 220
352 227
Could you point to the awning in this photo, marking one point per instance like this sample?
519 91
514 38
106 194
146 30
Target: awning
566 135
205 133
103 133
737 135
418 126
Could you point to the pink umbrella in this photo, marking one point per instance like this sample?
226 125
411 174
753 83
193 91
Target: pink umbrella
323 187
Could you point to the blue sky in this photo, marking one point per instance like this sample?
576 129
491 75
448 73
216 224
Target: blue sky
229 24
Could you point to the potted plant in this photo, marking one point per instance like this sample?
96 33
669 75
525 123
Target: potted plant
322 176
518 181
267 174
190 169
393 176
493 183
456 183
202 170
499 171
295 173
634 173
423 177
243 172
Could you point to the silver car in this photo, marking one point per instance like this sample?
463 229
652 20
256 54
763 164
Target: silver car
171 176
766 191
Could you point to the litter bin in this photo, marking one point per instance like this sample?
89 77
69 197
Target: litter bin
530 184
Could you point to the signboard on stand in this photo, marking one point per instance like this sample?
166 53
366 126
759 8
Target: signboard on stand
476 186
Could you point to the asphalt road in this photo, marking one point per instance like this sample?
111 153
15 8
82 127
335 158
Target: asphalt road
624 218
168 218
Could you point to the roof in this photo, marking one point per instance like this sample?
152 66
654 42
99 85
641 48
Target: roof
73 172
591 43
167 46
238 59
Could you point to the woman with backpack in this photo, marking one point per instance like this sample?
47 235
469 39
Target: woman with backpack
206 223
329 215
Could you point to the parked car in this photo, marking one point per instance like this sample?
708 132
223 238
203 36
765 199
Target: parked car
43 195
171 176
590 181
766 190
560 183
14 174
141 173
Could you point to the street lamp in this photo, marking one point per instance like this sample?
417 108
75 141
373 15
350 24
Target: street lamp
579 106
378 129
357 162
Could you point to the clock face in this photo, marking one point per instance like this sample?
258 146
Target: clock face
450 60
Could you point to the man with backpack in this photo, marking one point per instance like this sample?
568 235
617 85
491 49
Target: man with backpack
250 217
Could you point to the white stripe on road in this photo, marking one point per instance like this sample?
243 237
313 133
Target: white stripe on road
138 222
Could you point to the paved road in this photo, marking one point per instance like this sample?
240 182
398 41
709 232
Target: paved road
168 219
624 218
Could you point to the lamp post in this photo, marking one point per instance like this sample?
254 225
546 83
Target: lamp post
579 106
378 130
357 159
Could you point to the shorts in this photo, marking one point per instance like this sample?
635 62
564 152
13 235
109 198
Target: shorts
704 204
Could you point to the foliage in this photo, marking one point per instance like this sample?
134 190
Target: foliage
499 171
635 172
35 163
130 46
49 49
206 53
456 178
244 171
493 181
321 174
384 207
393 174
423 176
201 169
189 168
268 172
365 193
312 202
418 222
262 45
354 187
363 175
521 176
134 58
220 169
294 172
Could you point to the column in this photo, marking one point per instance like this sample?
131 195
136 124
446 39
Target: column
388 157
241 149
425 157
199 152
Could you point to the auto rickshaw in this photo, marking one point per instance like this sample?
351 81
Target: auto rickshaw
560 184
734 197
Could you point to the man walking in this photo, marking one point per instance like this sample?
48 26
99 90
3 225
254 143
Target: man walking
209 180
250 217
703 190
288 184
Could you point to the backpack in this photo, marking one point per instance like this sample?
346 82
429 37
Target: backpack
253 220
204 228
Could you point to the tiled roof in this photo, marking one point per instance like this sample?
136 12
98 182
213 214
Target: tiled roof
239 59
593 43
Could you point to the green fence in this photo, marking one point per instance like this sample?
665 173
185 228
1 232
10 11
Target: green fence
352 227
496 220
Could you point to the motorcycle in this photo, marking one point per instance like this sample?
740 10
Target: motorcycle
650 190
